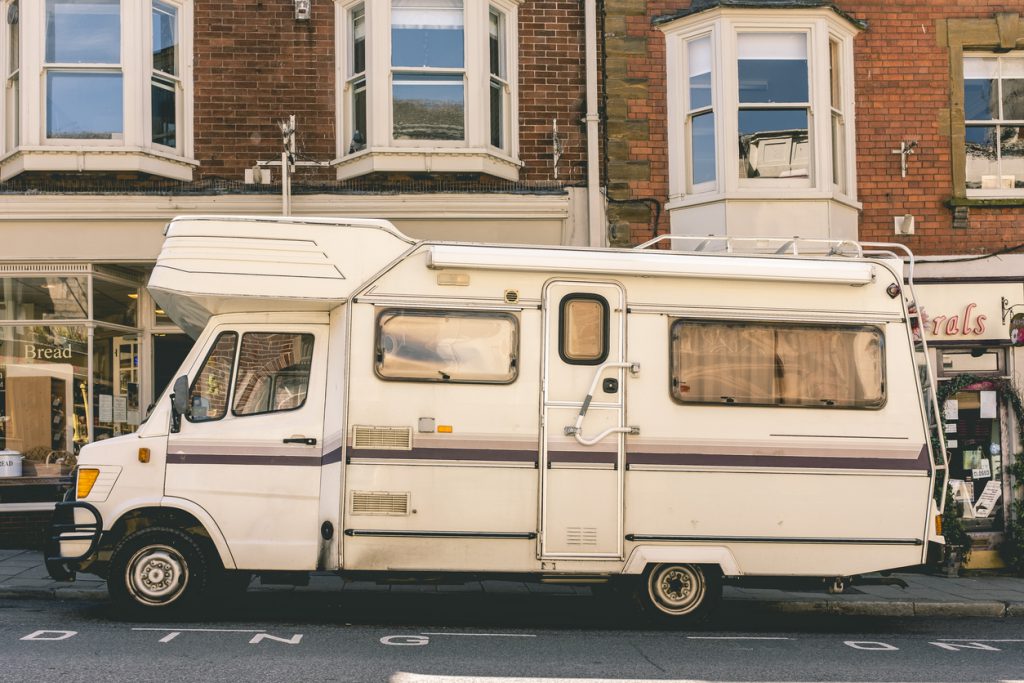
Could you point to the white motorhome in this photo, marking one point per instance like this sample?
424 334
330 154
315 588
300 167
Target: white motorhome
361 402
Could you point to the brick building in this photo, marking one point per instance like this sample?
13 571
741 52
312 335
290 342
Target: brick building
860 119
455 119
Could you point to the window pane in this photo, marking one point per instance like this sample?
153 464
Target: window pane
772 67
980 90
982 166
447 346
428 107
44 298
84 106
777 364
358 141
165 38
497 114
838 151
83 31
1013 89
495 43
273 372
698 56
773 143
1011 162
14 54
427 33
208 396
358 41
702 147
164 114
584 330
113 302
835 91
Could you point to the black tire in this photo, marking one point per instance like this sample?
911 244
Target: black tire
156 572
679 594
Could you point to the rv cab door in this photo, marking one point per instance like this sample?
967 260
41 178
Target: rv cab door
248 450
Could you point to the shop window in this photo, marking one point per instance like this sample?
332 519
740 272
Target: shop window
994 123
273 372
447 346
439 96
208 395
113 87
583 329
777 364
974 443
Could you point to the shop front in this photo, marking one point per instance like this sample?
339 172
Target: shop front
969 333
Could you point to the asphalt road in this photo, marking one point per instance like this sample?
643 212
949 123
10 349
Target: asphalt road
436 638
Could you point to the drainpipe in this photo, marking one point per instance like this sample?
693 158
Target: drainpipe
595 204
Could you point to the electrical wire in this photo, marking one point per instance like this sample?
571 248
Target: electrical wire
980 257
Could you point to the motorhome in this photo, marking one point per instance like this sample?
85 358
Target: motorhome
664 418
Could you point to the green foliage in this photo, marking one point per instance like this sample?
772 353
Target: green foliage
1012 548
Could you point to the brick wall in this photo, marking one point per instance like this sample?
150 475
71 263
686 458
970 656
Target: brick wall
902 93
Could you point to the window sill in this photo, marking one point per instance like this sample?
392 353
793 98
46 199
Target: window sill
427 160
775 194
96 159
983 202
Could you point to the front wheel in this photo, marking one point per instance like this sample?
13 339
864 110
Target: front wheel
681 593
157 571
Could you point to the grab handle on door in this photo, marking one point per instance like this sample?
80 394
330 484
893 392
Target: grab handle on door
301 439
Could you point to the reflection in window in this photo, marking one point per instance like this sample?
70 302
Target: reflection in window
838 116
583 329
447 346
208 396
499 78
773 105
12 132
429 103
701 115
777 364
84 106
273 372
994 122
357 80
44 298
164 85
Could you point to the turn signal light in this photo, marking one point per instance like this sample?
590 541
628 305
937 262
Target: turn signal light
143 455
86 479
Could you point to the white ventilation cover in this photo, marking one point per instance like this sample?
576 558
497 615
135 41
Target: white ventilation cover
379 503
581 535
382 438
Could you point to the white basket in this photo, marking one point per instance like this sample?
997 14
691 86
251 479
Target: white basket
10 463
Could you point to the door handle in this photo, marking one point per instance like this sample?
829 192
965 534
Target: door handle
301 439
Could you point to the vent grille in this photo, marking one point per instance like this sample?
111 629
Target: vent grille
581 535
382 438
379 503
44 268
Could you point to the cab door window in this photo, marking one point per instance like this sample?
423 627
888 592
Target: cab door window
208 395
273 372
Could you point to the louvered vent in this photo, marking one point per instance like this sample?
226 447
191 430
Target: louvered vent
581 535
382 438
379 503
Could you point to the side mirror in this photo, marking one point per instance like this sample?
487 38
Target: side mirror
179 402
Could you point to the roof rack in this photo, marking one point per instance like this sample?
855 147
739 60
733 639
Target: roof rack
774 246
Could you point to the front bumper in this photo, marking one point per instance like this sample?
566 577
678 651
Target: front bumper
69 535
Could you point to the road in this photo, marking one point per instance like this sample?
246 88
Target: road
430 638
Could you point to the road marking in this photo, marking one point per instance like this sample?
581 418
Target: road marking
481 635
405 640
201 630
982 640
738 638
962 645
41 635
259 637
170 636
871 645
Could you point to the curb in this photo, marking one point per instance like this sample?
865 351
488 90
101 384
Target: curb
853 608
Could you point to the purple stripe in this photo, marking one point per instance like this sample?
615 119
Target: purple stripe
220 459
717 460
585 457
332 457
485 455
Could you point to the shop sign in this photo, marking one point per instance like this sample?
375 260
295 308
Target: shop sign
33 352
1017 329
965 312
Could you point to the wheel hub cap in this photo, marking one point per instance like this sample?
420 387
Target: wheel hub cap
157 575
677 589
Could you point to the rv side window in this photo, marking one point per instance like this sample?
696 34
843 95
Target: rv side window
273 372
583 329
447 346
208 396
778 364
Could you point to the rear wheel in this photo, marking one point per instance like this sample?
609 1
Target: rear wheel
681 593
157 571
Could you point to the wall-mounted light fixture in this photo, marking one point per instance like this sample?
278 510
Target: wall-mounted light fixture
303 10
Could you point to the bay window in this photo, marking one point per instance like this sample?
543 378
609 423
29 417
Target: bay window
760 113
426 87
113 93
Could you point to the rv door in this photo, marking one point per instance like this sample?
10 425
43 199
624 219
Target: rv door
248 449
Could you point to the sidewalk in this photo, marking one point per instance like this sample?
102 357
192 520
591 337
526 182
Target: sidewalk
22 575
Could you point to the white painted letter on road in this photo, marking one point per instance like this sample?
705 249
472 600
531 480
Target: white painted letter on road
51 635
404 640
870 645
956 647
294 640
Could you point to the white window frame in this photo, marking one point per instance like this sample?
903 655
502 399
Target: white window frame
135 151
724 26
384 153
996 122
